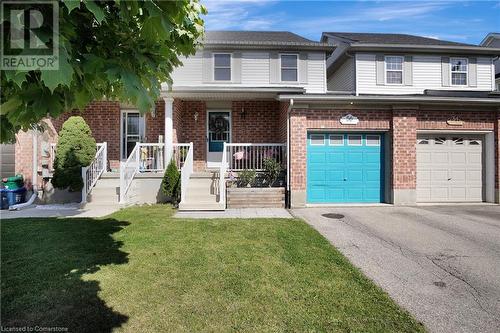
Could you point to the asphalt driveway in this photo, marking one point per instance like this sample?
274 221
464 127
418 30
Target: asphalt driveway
442 263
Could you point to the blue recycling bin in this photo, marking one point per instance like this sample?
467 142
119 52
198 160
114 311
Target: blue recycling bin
12 197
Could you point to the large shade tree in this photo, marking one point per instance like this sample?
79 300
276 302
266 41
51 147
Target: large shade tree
120 50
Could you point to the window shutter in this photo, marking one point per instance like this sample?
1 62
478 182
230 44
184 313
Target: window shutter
472 72
445 71
379 59
208 67
236 68
408 71
302 67
274 70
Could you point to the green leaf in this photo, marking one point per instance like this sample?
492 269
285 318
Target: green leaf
52 79
72 4
11 105
95 9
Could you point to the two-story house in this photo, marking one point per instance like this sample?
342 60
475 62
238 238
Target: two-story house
493 40
353 118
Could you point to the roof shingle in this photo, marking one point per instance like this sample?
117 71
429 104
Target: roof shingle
389 38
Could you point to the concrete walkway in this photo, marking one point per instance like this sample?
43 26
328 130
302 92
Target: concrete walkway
442 263
241 213
66 210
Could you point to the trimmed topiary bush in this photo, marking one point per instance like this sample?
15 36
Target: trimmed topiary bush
272 170
76 148
171 183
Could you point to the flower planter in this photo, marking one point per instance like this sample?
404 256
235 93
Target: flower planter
256 197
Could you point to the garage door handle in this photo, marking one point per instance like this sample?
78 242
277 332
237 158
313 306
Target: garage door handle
345 179
449 178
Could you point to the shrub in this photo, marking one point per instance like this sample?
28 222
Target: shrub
171 183
246 177
272 170
75 149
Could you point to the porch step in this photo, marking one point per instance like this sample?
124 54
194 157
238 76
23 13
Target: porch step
106 191
110 175
201 193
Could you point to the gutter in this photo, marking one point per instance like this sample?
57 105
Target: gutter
390 98
425 48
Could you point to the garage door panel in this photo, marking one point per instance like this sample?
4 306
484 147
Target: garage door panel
350 173
449 171
460 157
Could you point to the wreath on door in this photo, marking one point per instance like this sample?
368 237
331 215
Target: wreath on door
218 124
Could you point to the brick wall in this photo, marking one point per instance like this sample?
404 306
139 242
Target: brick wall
258 124
404 153
472 119
282 121
155 125
195 130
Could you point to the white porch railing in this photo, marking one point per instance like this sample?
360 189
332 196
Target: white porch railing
242 156
91 173
151 157
186 171
128 169
180 153
222 176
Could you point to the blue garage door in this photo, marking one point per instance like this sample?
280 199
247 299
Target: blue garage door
345 168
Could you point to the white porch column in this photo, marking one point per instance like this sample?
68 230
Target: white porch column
169 129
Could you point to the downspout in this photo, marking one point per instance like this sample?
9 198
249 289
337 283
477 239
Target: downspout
34 176
290 106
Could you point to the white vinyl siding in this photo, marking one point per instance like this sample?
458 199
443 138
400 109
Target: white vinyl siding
255 72
316 73
254 68
426 75
343 78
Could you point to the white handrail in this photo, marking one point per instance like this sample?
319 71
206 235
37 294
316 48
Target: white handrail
222 176
128 169
179 153
241 156
186 171
91 173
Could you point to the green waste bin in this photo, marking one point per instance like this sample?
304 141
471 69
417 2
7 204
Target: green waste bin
13 183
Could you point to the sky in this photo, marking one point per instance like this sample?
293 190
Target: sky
460 21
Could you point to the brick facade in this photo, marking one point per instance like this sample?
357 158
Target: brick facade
266 122
400 123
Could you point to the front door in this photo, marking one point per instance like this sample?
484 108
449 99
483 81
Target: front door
132 131
218 132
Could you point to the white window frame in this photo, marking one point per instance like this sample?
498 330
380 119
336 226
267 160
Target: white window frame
356 145
394 70
461 72
333 144
296 68
230 65
379 140
314 144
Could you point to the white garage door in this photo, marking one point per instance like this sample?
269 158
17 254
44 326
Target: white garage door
7 160
449 168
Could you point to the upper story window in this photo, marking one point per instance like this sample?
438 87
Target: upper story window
289 68
222 66
459 68
394 70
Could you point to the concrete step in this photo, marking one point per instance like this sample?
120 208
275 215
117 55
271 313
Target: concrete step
203 175
110 175
200 206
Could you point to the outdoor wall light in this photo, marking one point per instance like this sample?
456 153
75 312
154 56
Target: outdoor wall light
196 116
243 113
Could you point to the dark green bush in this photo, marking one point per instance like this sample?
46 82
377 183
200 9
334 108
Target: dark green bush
246 177
171 183
272 170
76 148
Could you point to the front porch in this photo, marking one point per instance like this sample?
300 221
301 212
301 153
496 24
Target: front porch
206 139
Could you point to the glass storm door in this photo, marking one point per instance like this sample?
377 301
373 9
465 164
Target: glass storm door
132 131
218 132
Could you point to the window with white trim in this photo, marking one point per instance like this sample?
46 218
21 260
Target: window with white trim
354 140
222 67
317 140
336 140
289 67
394 70
373 140
459 69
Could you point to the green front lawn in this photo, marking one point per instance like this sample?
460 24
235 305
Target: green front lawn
139 270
